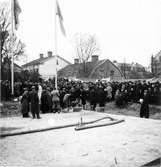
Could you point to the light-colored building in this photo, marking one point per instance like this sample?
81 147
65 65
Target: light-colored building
46 66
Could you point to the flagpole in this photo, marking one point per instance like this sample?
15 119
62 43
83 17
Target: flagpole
12 59
56 84
0 67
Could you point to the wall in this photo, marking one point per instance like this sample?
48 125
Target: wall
105 71
48 70
69 71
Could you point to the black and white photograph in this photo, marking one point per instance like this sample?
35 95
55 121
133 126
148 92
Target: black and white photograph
80 83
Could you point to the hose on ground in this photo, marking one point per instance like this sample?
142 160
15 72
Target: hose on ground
113 121
83 127
36 130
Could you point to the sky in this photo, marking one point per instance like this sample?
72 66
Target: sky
126 30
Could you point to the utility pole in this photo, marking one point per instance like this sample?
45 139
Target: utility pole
12 33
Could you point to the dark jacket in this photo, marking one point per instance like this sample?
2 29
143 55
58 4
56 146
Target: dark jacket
34 99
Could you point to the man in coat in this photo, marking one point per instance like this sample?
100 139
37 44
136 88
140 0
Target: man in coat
144 110
34 100
55 101
45 108
93 98
25 103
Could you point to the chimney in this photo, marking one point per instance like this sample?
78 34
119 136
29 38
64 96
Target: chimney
94 58
76 61
49 53
41 55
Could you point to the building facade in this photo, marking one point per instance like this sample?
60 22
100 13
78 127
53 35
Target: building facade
133 70
93 70
156 64
46 66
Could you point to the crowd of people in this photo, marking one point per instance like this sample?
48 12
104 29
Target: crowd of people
45 98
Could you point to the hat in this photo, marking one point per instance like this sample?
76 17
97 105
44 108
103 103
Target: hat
33 87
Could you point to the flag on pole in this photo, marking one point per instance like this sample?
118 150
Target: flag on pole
16 12
58 12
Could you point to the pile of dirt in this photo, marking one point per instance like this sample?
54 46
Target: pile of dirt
10 109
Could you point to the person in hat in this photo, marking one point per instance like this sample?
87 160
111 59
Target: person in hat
93 98
34 100
25 103
144 109
55 101
46 101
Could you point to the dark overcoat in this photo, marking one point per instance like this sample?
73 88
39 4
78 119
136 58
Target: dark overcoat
34 99
25 103
144 110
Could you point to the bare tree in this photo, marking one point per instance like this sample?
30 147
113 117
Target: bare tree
8 43
14 46
86 46
4 24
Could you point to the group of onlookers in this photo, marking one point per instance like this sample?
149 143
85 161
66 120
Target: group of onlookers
45 98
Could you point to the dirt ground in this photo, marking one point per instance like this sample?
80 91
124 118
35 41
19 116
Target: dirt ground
127 144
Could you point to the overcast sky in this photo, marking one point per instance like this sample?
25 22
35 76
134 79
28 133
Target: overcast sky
126 30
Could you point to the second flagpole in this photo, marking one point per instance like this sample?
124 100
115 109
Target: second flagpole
55 42
12 58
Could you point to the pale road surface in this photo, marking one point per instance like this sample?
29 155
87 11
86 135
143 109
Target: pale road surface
128 144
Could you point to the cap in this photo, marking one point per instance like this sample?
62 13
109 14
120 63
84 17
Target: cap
33 87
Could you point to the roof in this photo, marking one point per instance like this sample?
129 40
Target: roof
17 66
155 79
103 61
130 65
42 60
139 65
76 70
121 64
73 69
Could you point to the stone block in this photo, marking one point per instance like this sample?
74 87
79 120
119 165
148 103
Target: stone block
100 109
77 109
